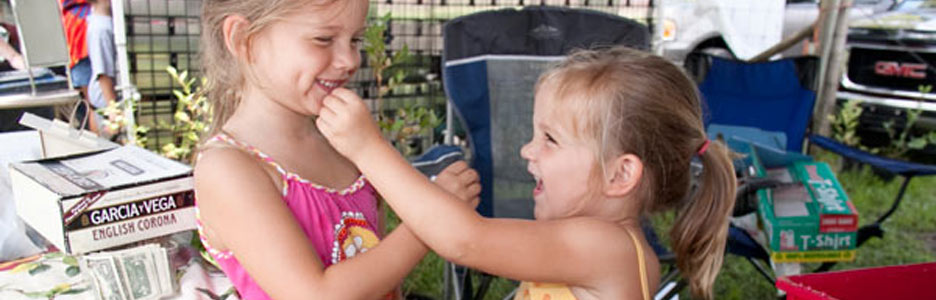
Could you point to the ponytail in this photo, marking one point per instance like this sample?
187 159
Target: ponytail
701 229
638 103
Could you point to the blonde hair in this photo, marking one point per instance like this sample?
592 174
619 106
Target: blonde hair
222 70
629 101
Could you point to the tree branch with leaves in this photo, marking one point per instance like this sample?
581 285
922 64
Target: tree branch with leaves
406 125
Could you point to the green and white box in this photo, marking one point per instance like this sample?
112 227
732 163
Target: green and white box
99 200
797 217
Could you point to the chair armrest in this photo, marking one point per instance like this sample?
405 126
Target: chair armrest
899 167
437 159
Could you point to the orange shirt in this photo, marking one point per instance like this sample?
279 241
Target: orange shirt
543 291
74 19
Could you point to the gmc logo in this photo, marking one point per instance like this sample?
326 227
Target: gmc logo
896 69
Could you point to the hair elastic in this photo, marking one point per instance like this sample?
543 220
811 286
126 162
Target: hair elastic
703 147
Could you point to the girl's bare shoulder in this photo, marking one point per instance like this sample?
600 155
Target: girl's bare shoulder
222 169
609 242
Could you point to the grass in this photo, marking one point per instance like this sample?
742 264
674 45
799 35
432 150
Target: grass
910 237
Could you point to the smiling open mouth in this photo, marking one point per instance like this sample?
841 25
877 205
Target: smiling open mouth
329 85
539 187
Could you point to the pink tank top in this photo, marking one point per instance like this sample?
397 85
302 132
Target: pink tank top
338 223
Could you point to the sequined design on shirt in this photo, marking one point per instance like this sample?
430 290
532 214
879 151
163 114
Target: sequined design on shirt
352 237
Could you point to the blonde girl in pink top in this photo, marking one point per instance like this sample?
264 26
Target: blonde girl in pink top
284 214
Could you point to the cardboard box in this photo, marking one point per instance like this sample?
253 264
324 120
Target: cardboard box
837 213
810 214
58 138
99 200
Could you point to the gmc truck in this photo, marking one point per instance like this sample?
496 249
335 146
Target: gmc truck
891 62
741 28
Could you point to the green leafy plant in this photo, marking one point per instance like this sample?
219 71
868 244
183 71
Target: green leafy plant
901 140
190 119
845 125
384 65
407 125
121 125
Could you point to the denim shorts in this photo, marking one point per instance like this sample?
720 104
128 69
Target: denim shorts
81 73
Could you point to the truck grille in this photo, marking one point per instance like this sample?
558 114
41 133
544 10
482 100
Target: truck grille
891 69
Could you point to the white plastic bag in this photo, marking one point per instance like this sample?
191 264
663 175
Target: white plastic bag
14 242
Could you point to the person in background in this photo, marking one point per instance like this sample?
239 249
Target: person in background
9 48
102 54
74 18
13 60
10 58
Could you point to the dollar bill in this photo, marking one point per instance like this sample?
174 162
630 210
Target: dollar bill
106 277
139 273
139 276
163 270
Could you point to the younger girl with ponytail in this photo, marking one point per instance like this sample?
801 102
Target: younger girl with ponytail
614 134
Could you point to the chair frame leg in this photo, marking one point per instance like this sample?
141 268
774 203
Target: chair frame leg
762 270
457 283
669 276
447 280
681 284
483 286
466 285
454 282
900 194
511 295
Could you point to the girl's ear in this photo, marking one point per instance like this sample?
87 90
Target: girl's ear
626 172
234 28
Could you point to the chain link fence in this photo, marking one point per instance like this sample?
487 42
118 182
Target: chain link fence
163 33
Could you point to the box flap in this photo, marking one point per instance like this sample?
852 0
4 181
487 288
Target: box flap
111 169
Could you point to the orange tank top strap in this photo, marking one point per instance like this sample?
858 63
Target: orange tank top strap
641 266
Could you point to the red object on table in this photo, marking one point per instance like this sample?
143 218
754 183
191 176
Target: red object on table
891 282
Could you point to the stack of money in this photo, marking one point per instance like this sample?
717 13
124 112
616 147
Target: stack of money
130 274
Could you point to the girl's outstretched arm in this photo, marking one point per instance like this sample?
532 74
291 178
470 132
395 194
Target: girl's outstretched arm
241 207
578 251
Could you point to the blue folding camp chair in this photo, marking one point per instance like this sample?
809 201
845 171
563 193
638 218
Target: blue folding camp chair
778 97
775 99
770 96
491 62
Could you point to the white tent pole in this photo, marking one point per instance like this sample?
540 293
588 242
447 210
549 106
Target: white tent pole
123 66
